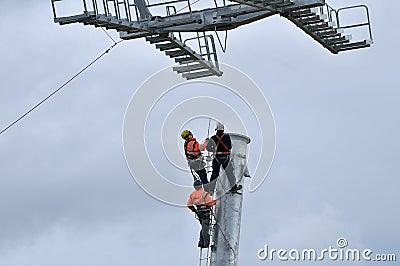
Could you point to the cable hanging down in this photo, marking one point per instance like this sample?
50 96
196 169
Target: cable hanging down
77 74
225 238
61 87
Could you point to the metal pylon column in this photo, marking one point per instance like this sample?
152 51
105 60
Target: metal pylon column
228 209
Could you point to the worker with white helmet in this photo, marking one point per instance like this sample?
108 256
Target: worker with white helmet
220 144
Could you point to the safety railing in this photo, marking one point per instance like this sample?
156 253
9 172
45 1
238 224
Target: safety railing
120 9
169 3
171 10
206 47
366 24
125 9
334 16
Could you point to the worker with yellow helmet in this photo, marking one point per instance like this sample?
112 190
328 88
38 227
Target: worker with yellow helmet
193 155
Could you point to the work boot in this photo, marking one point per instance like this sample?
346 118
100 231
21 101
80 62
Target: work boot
236 188
206 245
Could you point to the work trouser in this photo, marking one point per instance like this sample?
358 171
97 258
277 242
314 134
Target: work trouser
197 165
225 161
204 219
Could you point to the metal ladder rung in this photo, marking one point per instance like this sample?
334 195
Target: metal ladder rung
205 261
333 35
320 27
354 45
184 60
165 46
342 39
199 74
328 33
188 68
207 63
176 53
157 39
201 259
302 13
314 19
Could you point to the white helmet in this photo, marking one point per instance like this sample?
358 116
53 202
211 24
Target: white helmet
219 126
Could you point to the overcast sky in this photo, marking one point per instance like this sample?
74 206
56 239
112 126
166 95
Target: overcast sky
67 196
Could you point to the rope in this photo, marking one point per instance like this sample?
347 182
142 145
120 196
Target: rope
180 10
59 88
109 36
208 130
223 48
77 74
220 229
187 6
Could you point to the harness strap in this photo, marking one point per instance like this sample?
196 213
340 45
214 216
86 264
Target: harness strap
223 144
202 203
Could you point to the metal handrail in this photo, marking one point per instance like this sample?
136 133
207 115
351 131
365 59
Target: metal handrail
127 10
169 13
114 6
214 51
207 47
330 10
54 8
171 2
84 5
95 9
368 23
209 53
167 3
85 9
105 6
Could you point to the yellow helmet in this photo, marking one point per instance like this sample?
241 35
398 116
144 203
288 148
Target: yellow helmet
186 133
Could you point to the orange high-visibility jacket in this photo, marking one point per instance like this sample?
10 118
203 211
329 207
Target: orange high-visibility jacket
192 148
200 198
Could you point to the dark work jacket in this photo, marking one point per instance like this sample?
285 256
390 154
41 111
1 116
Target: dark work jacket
212 143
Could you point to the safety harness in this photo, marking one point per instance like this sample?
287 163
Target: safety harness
227 152
202 209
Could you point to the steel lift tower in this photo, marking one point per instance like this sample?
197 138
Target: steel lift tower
186 30
228 210
226 217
